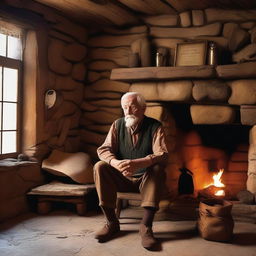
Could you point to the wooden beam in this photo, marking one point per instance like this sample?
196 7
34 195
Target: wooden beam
106 13
184 5
149 7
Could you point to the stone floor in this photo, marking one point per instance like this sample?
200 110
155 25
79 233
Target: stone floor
63 233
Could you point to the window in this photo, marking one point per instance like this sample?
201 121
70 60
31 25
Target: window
10 74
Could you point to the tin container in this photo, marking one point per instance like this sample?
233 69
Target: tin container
160 60
212 54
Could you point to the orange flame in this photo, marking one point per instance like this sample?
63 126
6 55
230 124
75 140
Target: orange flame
217 179
218 183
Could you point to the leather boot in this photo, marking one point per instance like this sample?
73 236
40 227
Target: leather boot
147 238
108 231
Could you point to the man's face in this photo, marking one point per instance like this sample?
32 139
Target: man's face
133 111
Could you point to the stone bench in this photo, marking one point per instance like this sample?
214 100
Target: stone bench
56 191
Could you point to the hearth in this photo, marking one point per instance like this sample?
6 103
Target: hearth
206 150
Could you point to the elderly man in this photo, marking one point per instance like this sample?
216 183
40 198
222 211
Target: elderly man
132 159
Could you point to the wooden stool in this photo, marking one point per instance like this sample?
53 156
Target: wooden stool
125 196
61 192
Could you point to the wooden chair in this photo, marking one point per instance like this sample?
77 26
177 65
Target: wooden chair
125 196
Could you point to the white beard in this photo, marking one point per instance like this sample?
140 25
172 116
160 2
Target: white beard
130 120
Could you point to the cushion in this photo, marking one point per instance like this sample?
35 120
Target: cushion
77 166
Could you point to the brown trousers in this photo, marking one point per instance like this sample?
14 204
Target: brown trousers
109 181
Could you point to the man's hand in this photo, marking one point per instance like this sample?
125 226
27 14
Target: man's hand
127 167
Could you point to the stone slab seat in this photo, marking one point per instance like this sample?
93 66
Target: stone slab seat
56 191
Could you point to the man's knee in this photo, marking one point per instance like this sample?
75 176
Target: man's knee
100 166
158 170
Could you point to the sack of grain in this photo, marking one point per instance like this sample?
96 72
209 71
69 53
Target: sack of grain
215 220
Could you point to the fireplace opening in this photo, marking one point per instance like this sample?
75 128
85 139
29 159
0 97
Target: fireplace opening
205 150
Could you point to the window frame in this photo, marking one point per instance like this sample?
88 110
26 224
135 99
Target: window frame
15 64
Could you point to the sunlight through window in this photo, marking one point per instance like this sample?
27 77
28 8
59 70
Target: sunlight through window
14 48
10 84
3 45
9 142
10 66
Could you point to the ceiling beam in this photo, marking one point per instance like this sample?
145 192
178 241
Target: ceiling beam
150 7
101 12
184 5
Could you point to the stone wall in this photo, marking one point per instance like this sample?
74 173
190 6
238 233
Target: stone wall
60 50
85 110
251 181
67 71
231 89
55 56
16 179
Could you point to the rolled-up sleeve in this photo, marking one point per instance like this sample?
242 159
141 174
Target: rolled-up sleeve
159 147
106 152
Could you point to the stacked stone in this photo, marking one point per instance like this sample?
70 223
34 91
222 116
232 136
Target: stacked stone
232 31
63 46
225 94
58 51
16 178
161 112
238 32
67 73
251 181
101 101
235 175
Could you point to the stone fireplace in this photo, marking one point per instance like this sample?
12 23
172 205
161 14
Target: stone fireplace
204 149
208 111
202 136
207 125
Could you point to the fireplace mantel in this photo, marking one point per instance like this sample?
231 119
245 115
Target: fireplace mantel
233 71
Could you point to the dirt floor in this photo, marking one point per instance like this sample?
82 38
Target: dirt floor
63 233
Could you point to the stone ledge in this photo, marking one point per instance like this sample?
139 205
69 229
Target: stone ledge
243 70
162 73
237 71
10 162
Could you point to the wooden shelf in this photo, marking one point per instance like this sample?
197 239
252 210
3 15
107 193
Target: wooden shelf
233 71
162 73
237 71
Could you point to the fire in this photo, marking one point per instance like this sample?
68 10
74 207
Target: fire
217 179
217 183
220 193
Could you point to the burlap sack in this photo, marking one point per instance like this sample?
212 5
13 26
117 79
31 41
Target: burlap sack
215 220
